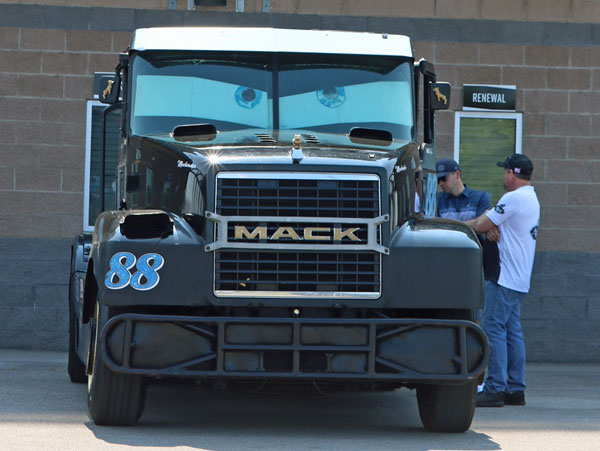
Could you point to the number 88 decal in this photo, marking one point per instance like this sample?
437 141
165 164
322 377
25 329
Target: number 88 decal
145 278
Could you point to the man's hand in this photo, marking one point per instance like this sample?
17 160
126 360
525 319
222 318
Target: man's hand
493 234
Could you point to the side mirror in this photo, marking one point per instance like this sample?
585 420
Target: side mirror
440 95
110 85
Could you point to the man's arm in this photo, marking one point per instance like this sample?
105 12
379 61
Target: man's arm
481 224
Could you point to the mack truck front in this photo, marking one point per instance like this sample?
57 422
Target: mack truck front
272 225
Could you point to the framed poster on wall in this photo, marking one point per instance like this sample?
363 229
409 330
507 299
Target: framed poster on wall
481 139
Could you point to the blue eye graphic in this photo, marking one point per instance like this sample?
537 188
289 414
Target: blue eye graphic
247 97
331 97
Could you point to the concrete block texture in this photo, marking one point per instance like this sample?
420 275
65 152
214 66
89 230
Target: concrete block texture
568 125
59 203
53 110
580 194
585 148
584 57
565 341
570 79
525 77
8 85
568 171
593 217
546 55
504 10
595 171
32 179
583 240
38 133
545 147
42 39
584 102
64 157
89 41
48 86
561 217
9 38
17 202
502 54
8 133
548 10
585 10
579 11
64 63
458 9
17 108
7 178
16 61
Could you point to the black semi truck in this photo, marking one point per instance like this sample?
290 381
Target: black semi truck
272 224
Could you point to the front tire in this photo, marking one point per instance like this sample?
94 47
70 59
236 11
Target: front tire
113 399
447 408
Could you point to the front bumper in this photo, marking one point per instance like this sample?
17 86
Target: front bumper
401 350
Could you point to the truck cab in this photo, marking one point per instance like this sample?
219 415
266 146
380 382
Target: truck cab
273 222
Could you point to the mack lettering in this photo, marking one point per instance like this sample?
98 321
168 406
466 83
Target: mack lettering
290 233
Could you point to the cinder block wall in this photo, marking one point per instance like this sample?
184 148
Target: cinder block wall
49 52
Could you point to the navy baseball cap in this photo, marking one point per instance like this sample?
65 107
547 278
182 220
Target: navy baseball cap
518 163
446 166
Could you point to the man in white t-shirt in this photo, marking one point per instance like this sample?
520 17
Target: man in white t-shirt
517 217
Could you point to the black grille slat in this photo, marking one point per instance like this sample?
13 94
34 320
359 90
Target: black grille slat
322 271
256 197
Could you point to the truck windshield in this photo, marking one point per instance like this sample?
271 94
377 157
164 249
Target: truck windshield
287 91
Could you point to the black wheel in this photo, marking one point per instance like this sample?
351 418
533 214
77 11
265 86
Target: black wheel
447 408
113 399
75 366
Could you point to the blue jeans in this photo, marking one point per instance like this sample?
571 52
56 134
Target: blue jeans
502 324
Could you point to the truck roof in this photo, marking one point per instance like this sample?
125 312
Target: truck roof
270 40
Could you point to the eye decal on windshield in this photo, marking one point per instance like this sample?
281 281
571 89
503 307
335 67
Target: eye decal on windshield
331 97
247 97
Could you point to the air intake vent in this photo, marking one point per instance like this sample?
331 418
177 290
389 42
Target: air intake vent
310 139
265 138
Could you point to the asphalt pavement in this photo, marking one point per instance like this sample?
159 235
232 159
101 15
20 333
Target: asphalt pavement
40 409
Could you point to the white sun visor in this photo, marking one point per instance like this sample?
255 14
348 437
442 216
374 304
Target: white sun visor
270 40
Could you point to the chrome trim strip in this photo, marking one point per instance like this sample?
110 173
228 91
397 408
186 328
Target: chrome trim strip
223 240
296 176
299 294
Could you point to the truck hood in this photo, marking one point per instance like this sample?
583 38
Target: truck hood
261 148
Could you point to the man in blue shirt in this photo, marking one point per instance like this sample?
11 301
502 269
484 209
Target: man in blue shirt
456 200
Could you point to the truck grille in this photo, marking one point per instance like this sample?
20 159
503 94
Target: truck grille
298 272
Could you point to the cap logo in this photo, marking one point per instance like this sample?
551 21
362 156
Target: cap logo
517 170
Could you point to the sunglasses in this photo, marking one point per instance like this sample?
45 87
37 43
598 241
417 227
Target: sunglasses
442 179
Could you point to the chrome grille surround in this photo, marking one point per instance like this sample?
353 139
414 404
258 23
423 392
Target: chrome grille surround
315 267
